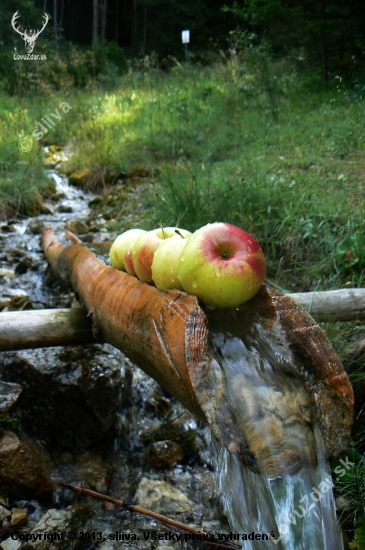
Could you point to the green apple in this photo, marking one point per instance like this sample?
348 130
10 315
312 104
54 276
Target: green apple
145 247
121 246
165 263
222 265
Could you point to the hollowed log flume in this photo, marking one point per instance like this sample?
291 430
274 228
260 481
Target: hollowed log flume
183 347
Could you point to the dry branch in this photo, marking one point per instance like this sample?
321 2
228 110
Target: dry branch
333 305
44 328
176 525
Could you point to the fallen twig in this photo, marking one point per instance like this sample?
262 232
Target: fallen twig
163 519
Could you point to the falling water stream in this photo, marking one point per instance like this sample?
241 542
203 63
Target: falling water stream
275 480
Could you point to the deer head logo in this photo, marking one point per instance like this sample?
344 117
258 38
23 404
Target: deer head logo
28 38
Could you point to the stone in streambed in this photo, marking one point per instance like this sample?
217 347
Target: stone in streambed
5 513
87 470
23 467
71 396
35 226
9 394
77 226
10 544
161 497
165 454
69 520
19 517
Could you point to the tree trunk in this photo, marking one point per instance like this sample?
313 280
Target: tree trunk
95 21
55 23
62 12
116 22
103 18
45 328
144 29
323 44
333 305
134 27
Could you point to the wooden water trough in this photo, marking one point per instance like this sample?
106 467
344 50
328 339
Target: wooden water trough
167 334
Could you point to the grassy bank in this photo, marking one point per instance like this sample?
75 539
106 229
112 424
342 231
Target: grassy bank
253 144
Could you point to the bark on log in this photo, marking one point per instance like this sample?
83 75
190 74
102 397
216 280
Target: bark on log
333 305
72 327
170 337
45 328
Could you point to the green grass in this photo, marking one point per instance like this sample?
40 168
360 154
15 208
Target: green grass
255 145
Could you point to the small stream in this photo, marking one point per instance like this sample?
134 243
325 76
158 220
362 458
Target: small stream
156 453
272 503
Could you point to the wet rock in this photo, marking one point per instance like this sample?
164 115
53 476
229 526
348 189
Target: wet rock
79 178
9 394
165 454
17 303
10 544
19 517
23 465
161 497
88 238
71 396
87 470
64 208
7 228
69 520
158 404
24 264
77 226
7 272
118 544
4 514
342 504
140 171
15 252
95 202
36 226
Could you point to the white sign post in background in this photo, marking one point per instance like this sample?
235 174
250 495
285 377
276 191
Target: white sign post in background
185 35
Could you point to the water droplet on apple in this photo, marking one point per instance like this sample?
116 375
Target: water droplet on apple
194 284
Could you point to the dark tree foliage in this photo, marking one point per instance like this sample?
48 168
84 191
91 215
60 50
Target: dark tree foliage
144 26
328 32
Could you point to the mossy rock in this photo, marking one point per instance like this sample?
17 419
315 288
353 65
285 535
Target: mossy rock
9 423
78 179
141 171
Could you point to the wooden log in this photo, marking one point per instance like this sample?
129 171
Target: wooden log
347 304
44 328
167 334
72 327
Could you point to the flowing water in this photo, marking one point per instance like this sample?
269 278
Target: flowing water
277 481
274 480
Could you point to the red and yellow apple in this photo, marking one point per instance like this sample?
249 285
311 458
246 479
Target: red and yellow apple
165 263
122 246
222 265
145 247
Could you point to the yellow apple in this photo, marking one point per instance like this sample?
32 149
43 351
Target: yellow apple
222 265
